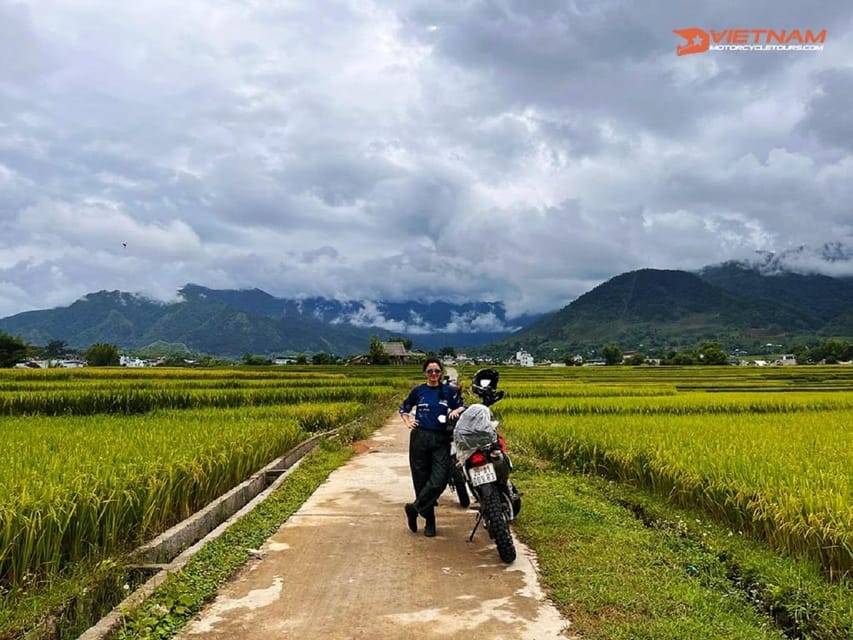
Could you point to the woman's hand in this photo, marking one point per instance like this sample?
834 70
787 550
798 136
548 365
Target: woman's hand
456 412
409 421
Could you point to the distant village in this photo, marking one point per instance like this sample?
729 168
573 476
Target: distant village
72 361
524 359
397 354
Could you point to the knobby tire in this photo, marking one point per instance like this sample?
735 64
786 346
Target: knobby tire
498 526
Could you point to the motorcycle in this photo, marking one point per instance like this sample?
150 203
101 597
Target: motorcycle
481 457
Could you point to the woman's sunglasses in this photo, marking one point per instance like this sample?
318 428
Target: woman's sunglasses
433 372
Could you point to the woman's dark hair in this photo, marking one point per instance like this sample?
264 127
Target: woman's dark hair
430 361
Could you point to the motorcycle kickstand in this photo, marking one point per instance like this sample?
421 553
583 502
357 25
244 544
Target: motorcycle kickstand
476 525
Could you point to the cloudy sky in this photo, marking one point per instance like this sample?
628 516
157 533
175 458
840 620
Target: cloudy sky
410 149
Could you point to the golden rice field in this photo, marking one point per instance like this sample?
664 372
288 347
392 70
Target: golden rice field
96 461
768 452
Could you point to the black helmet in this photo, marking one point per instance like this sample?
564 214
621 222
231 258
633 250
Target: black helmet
485 385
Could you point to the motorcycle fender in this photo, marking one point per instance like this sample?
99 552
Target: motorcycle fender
487 489
502 468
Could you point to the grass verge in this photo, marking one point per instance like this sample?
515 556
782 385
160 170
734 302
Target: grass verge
622 564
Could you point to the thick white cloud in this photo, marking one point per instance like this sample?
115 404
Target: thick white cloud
511 151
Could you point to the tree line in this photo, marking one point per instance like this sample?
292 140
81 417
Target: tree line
14 350
829 351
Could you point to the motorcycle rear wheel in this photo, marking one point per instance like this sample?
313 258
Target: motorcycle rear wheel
496 520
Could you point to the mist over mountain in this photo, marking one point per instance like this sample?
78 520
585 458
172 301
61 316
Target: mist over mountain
831 259
233 322
409 317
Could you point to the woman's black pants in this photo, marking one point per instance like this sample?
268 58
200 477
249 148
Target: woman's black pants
429 460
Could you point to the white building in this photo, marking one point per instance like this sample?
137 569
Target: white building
33 363
524 359
69 362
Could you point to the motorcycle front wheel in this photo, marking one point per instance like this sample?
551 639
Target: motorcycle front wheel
460 486
498 525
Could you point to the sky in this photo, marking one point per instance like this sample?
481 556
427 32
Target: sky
510 151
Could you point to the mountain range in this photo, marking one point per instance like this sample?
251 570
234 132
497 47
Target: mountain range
234 322
740 304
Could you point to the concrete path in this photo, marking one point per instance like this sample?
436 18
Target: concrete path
346 566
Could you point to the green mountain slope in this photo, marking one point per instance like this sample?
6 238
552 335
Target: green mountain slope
202 323
106 316
817 296
234 322
654 309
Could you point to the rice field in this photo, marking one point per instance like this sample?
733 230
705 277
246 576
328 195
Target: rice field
767 452
96 461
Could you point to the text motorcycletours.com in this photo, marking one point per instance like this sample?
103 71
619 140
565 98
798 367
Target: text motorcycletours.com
766 47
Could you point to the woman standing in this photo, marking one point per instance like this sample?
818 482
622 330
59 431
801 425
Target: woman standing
435 405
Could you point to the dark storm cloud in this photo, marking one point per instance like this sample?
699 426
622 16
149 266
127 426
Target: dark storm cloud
610 58
391 150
